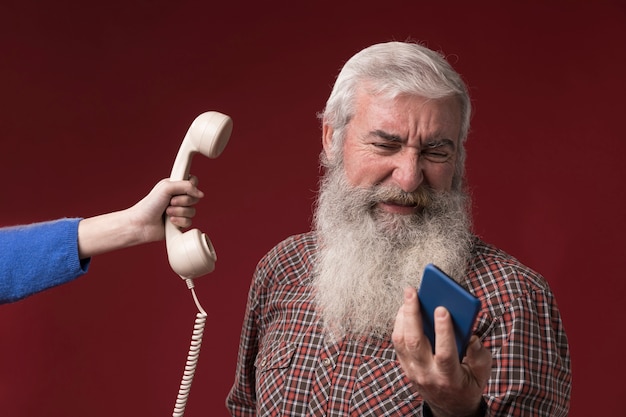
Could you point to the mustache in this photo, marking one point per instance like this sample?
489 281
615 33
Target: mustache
422 197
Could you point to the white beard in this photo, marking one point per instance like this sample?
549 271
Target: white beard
367 257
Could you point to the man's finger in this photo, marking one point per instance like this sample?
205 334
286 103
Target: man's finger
408 329
446 352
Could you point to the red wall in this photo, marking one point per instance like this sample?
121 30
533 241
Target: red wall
95 99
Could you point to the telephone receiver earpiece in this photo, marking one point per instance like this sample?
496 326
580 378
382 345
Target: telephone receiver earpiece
191 254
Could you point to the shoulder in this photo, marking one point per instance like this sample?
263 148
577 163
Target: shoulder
290 261
495 273
299 243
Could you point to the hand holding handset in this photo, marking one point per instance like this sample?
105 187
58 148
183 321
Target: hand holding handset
438 289
191 254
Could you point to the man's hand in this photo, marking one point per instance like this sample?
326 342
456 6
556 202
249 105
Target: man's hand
448 387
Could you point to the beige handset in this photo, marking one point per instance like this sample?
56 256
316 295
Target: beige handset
191 254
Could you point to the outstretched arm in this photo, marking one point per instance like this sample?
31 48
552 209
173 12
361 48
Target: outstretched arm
141 223
39 256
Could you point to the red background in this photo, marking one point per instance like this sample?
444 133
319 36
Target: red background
95 98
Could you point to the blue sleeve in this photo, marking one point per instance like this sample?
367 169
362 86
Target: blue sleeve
38 256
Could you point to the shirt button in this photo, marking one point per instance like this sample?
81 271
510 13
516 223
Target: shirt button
263 362
326 362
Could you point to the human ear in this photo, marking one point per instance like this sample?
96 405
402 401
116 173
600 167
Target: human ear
327 140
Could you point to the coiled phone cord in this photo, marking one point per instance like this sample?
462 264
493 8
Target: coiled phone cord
192 356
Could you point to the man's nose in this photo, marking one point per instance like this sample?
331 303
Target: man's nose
407 171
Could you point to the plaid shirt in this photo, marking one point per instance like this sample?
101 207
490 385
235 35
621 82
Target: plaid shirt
286 367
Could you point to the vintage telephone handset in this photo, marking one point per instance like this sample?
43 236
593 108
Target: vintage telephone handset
191 254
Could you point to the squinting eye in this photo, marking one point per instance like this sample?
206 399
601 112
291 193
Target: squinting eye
436 155
385 146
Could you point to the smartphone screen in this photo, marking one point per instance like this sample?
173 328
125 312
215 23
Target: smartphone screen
438 289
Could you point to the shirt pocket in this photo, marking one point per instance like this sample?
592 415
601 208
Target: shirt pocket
272 364
382 389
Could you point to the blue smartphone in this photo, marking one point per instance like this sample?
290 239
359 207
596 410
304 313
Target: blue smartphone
438 289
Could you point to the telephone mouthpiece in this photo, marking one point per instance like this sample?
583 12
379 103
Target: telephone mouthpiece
191 254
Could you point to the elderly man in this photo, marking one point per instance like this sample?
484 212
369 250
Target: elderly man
333 326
